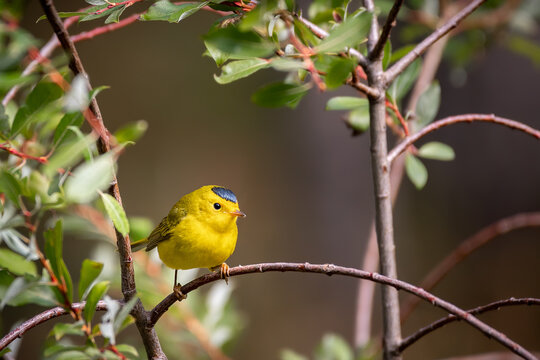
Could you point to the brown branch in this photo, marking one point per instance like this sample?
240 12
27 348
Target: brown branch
329 269
405 61
467 118
370 262
387 27
41 318
148 334
409 340
469 245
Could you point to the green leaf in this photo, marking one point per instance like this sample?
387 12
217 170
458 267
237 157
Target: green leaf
358 120
114 16
185 10
387 54
161 10
88 178
525 47
401 52
95 294
338 71
427 106
96 2
280 94
5 126
401 85
90 270
53 253
286 64
240 69
124 312
349 33
416 171
236 43
10 186
62 14
219 56
67 155
116 213
16 264
131 132
333 347
61 329
437 151
346 103
42 94
127 350
71 119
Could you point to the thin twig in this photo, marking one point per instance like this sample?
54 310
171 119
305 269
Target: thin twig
469 245
405 61
409 340
373 34
330 269
387 27
466 118
41 318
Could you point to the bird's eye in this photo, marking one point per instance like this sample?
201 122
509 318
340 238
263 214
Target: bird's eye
217 206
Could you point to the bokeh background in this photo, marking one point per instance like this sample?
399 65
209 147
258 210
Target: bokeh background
306 185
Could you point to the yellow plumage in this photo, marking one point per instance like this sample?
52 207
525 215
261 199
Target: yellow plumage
199 231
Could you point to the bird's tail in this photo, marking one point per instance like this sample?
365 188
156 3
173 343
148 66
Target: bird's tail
139 244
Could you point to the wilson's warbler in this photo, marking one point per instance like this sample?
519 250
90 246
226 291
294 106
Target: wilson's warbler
199 232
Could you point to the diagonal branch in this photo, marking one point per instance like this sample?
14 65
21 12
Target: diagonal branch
41 318
329 269
405 61
467 118
408 341
385 34
468 246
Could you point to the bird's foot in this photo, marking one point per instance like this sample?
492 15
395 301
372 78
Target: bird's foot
224 272
177 289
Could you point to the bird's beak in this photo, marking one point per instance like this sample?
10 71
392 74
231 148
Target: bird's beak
237 213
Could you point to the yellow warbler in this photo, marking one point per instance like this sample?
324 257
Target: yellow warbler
199 231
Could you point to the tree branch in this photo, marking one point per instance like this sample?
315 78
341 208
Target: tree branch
148 334
468 246
467 118
329 269
405 61
385 34
41 318
409 340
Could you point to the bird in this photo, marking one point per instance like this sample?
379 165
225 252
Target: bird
200 231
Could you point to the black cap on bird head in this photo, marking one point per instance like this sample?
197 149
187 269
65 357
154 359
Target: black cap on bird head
224 193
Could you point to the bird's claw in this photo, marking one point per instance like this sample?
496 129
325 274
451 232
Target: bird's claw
177 289
224 272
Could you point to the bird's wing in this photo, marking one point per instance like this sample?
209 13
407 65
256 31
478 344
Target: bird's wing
165 229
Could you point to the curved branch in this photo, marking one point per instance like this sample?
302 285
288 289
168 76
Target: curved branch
329 269
467 118
41 318
408 341
469 245
405 61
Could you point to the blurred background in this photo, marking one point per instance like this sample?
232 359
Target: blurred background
305 184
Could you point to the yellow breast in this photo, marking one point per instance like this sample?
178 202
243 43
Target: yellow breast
196 244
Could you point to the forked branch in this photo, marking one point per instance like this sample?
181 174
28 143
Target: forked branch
405 61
